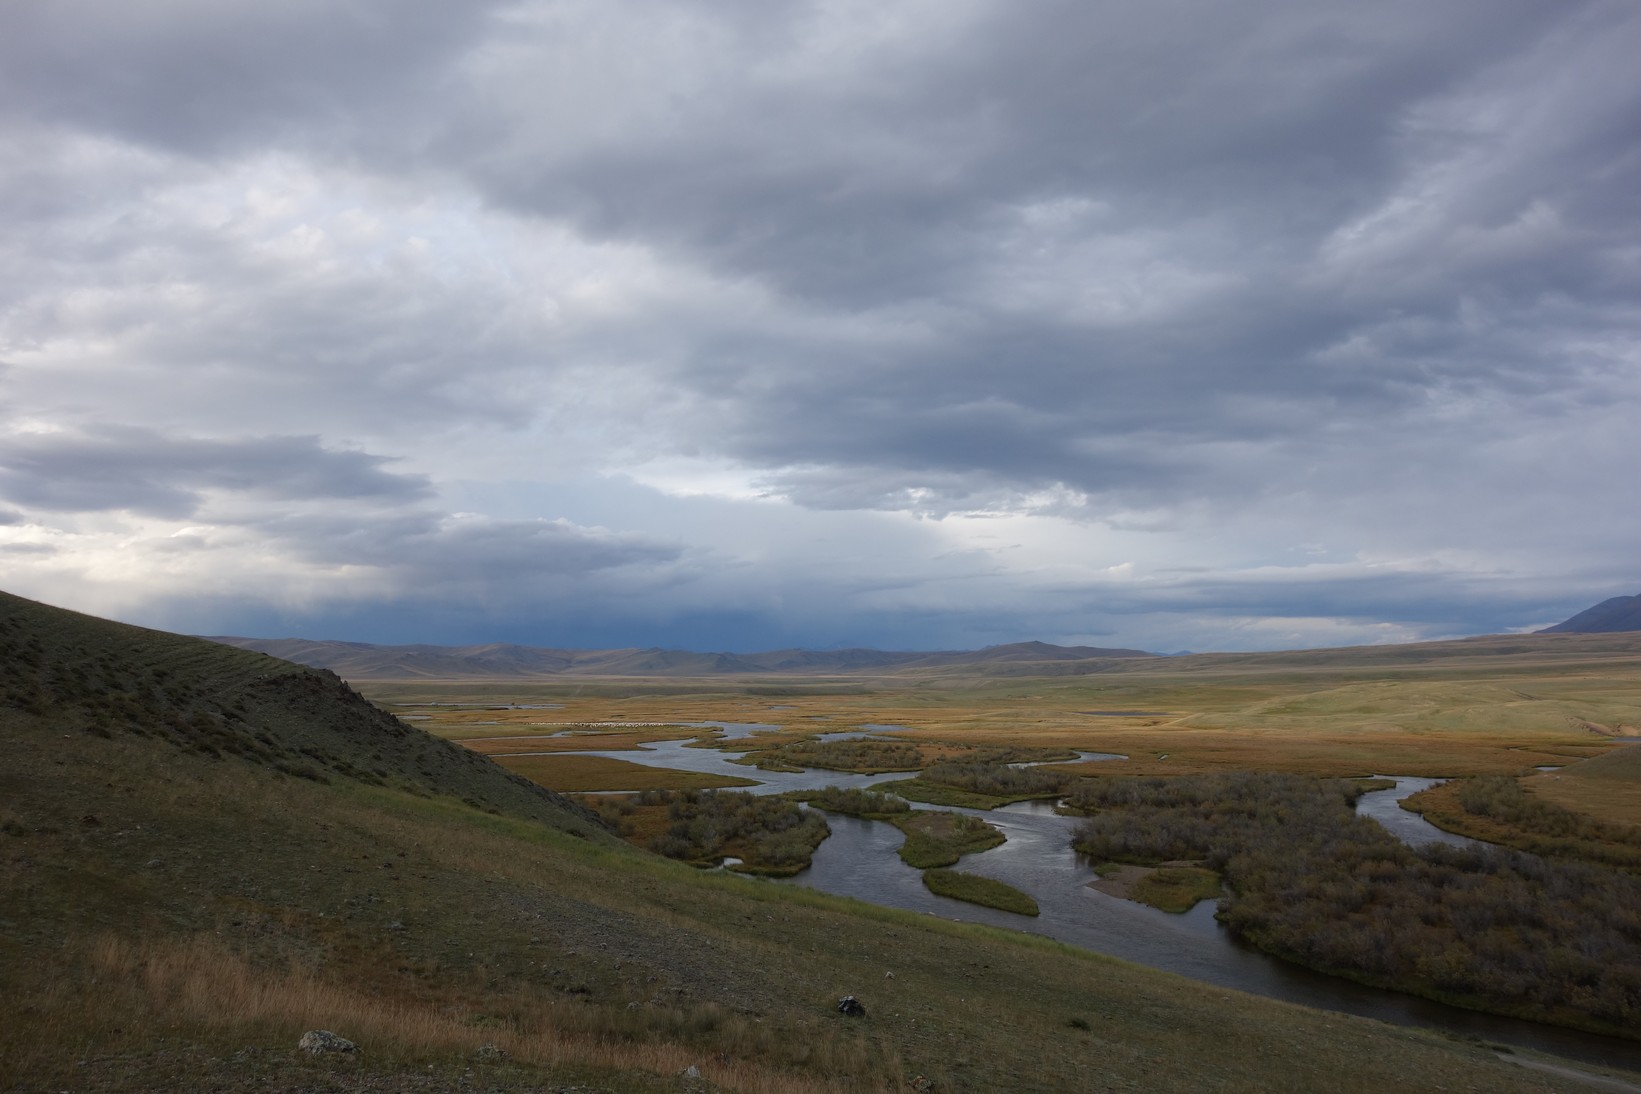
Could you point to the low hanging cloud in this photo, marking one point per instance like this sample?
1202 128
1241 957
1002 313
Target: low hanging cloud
145 472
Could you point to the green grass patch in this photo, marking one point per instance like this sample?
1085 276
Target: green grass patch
1176 889
940 839
979 890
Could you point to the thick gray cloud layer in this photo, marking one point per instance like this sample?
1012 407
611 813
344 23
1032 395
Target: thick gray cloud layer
735 324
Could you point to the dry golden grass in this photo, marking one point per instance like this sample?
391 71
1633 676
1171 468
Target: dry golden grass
1187 752
204 985
267 919
212 902
1614 800
591 741
1483 707
591 773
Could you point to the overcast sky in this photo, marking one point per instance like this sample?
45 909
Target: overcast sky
739 324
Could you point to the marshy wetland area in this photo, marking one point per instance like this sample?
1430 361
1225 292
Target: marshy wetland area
1161 873
1205 815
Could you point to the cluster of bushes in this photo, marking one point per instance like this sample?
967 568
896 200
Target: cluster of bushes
1497 808
855 802
1148 820
770 835
996 779
863 756
935 838
869 757
1312 882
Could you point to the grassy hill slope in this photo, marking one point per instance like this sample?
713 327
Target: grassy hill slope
204 853
109 679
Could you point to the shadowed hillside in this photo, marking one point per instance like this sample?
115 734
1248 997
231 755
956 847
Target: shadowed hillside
205 853
1620 613
108 679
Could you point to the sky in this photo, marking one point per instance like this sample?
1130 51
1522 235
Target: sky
738 325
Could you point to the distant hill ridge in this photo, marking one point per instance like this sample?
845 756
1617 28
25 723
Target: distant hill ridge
1620 613
363 661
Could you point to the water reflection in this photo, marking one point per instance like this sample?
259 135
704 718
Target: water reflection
859 860
1409 827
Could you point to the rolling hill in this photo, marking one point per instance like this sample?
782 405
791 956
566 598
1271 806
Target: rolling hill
1619 613
362 661
206 852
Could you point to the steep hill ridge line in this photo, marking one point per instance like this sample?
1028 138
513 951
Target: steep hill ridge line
112 679
1619 613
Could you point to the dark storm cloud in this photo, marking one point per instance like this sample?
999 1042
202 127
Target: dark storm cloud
423 550
1141 231
887 176
1196 283
145 472
202 76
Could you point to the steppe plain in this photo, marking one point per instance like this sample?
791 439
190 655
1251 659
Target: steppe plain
205 852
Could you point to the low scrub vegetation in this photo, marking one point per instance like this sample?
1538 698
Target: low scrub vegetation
933 838
979 890
982 785
770 835
865 757
1498 809
940 839
1310 881
855 802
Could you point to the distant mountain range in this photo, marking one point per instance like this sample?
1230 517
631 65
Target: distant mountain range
363 661
1621 613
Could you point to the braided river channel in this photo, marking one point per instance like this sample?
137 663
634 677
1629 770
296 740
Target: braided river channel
859 860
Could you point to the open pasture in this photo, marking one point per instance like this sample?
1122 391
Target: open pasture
1501 705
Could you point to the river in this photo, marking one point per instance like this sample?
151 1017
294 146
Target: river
859 860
